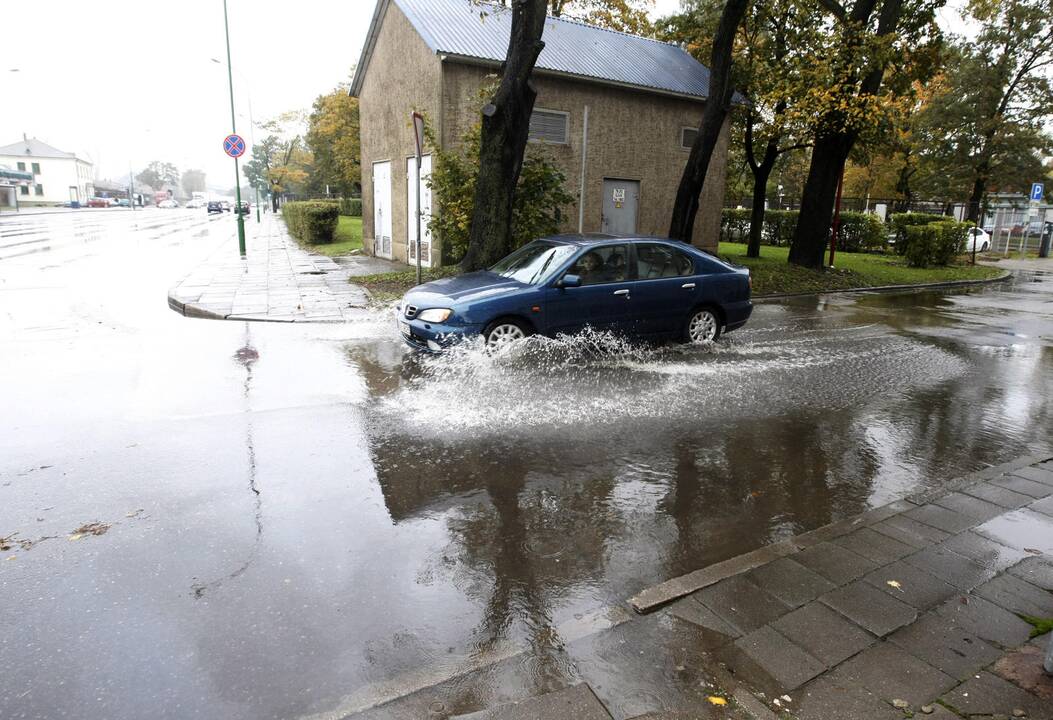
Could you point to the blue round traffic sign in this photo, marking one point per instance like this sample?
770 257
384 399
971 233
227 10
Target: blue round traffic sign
234 145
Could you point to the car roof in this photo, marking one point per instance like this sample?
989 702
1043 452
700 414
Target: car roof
591 238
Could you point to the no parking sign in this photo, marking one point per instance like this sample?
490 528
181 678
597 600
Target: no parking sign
234 145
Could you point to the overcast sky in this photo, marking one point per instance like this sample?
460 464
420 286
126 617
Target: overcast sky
125 82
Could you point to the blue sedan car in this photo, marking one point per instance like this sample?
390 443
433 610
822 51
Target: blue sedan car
642 287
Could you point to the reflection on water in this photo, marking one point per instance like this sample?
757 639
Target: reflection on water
570 473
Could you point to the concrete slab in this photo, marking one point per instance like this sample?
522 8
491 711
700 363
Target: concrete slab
714 632
952 568
827 698
1037 474
1022 529
576 702
870 608
891 673
944 644
941 518
1036 570
911 532
986 620
997 495
790 582
874 546
837 564
741 603
1023 668
985 551
824 633
990 695
1023 486
785 662
1044 506
1017 596
971 506
913 586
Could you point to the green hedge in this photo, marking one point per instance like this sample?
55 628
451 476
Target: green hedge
936 243
312 221
899 222
860 232
351 206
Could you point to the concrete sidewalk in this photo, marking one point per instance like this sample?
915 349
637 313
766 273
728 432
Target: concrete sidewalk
277 281
909 610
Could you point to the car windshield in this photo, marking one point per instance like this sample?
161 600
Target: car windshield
535 262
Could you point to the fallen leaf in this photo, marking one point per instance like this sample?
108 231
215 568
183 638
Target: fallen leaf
894 584
76 536
1033 551
777 703
786 698
716 700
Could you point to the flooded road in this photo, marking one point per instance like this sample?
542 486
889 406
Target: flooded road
304 520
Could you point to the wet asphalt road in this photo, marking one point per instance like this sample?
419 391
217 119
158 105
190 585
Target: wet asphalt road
295 518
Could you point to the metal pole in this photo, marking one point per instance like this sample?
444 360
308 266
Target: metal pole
837 216
131 188
417 163
252 139
584 158
234 131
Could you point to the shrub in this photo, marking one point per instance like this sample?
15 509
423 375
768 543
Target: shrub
734 224
899 222
312 221
860 232
936 243
779 226
351 206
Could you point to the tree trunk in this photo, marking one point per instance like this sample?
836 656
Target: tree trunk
506 122
761 173
831 151
817 200
682 225
977 196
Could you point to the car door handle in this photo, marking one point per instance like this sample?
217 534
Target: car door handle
688 286
622 292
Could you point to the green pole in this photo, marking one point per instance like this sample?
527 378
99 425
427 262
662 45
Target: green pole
234 131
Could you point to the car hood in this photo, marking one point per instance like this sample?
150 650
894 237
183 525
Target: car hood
469 287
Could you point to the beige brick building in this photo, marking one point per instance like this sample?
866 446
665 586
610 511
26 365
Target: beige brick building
618 113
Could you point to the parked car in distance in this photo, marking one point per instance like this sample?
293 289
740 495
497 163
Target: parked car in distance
642 287
97 202
194 204
244 208
977 239
167 204
215 206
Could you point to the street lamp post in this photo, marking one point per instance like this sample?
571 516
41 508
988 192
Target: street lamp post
234 131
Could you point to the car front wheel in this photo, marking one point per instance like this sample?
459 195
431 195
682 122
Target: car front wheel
703 326
504 332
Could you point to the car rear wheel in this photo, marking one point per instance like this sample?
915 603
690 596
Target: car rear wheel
504 332
703 326
984 248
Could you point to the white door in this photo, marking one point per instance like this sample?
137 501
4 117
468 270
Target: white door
382 209
425 203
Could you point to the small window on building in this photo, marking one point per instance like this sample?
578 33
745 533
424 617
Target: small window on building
549 126
36 168
25 189
21 167
39 190
687 137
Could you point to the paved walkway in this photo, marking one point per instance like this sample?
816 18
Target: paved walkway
909 610
276 281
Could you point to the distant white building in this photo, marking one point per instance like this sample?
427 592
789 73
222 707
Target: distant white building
58 177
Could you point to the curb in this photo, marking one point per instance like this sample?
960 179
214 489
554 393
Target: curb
889 288
191 310
654 597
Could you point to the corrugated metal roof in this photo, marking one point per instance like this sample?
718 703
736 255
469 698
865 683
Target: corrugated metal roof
480 31
34 148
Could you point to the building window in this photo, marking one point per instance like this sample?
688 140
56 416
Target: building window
25 189
687 137
39 190
36 168
21 167
548 126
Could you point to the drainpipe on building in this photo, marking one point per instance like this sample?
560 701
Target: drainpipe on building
584 158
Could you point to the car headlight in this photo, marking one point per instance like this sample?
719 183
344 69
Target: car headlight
436 315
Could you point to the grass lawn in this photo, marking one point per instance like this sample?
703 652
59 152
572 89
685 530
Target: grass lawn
348 237
773 275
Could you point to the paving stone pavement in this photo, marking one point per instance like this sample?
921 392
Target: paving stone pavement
277 281
909 610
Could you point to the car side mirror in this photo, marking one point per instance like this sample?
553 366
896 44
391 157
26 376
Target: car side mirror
570 281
